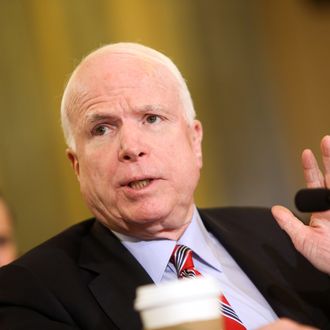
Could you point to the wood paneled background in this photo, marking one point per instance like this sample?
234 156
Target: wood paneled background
259 73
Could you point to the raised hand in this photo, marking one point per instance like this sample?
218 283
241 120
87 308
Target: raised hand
312 240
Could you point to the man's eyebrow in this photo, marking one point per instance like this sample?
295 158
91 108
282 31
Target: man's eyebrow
95 117
150 107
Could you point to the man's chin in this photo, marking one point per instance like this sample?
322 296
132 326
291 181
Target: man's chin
146 214
152 227
154 230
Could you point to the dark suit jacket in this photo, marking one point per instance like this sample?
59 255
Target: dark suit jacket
84 278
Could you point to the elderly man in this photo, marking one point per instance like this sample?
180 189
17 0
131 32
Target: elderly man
135 146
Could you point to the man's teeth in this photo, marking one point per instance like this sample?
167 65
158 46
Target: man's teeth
139 184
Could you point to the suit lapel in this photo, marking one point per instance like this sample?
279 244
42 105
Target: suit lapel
117 275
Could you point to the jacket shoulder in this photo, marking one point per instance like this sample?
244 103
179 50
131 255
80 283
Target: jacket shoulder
239 217
230 211
65 245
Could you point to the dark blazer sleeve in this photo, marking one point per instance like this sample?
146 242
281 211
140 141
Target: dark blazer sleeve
83 278
26 304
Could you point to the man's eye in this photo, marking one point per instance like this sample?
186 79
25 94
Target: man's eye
151 119
100 130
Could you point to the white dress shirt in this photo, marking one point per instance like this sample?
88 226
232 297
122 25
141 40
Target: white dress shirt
211 258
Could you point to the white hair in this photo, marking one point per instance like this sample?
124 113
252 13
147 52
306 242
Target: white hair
137 50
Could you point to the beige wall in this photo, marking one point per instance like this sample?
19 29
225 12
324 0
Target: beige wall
258 71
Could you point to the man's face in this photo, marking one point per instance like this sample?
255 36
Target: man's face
7 244
137 159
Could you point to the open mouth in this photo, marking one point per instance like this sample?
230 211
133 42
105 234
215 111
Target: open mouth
139 184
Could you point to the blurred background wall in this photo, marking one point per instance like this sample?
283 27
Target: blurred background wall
258 71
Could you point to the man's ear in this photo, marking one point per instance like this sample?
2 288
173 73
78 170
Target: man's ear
73 160
197 140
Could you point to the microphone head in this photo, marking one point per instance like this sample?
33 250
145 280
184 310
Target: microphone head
313 200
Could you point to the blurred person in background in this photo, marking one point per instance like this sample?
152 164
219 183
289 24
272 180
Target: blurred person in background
8 250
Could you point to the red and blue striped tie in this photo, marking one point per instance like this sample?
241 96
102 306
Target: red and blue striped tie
183 262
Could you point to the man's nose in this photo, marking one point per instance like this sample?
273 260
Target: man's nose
131 145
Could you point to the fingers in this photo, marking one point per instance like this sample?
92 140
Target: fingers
312 173
325 148
290 224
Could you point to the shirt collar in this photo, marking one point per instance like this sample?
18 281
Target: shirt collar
198 239
154 255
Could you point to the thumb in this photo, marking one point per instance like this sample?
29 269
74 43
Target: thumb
289 223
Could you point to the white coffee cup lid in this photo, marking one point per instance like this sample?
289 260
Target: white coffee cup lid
151 296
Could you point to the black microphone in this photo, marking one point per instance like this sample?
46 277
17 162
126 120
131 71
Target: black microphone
313 200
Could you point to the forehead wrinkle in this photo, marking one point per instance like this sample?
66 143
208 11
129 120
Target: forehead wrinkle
87 98
84 101
76 102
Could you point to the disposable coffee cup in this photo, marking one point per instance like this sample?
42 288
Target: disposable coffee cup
186 304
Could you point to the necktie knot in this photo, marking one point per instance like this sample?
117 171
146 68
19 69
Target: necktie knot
183 262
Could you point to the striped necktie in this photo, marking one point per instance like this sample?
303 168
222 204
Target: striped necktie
182 260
